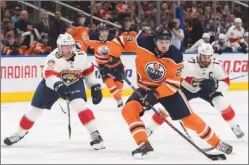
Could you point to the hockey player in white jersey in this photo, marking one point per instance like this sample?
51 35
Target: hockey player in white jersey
205 78
63 74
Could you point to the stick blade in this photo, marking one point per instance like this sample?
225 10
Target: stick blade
216 157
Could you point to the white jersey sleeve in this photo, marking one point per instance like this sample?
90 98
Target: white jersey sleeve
51 69
194 47
221 75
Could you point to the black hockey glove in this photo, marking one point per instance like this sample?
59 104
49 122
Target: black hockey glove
120 72
150 98
104 71
96 94
209 85
61 89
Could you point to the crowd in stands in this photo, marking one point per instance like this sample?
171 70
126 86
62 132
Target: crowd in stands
204 21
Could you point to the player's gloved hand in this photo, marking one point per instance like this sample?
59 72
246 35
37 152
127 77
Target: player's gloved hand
104 71
150 98
96 94
120 72
61 89
209 85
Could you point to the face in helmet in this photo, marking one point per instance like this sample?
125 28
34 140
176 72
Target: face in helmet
162 40
103 31
205 53
65 44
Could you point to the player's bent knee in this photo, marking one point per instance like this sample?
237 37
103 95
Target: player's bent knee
34 113
78 105
131 109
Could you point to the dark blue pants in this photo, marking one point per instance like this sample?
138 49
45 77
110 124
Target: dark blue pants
175 104
45 97
201 94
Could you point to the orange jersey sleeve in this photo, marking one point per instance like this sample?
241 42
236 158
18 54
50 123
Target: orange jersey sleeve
78 34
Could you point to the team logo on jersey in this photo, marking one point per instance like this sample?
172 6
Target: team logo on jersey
155 71
195 82
69 76
103 50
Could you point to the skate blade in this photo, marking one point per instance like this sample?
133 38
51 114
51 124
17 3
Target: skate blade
99 146
139 156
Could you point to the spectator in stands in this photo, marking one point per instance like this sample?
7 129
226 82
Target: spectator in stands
57 27
205 39
221 45
12 46
197 29
106 11
17 15
24 25
22 47
178 34
7 15
8 27
3 49
3 8
39 47
127 27
43 25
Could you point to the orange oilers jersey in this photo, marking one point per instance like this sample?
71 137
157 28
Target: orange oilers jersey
162 74
101 49
129 36
78 33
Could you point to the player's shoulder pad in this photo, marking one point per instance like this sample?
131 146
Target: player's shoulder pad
217 62
146 42
79 52
175 54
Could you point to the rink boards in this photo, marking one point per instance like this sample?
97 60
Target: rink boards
21 75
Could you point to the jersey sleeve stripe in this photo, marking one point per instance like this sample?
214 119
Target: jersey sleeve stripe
49 73
88 70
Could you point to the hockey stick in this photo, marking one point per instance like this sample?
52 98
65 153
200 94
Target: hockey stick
234 78
69 118
212 157
185 130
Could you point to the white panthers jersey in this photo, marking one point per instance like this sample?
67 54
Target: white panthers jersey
234 33
57 68
193 73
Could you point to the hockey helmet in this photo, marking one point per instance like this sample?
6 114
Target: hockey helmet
102 26
162 33
205 49
65 39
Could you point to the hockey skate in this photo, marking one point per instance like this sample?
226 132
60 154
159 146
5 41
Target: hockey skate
224 147
97 141
237 131
148 131
13 139
142 150
120 103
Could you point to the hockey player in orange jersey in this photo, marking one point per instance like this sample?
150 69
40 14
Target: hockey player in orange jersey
78 30
111 67
159 66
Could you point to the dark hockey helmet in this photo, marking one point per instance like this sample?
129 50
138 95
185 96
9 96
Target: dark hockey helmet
80 14
102 26
162 33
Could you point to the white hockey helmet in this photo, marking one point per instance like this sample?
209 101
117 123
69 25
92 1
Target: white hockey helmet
65 39
237 20
206 35
222 36
205 49
246 34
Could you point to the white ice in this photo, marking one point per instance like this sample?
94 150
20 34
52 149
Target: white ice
48 140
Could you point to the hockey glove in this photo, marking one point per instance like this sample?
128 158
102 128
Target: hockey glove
61 89
104 71
209 85
120 72
96 94
150 98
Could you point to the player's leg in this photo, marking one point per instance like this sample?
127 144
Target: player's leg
179 109
111 85
78 103
217 100
120 85
131 114
43 98
156 120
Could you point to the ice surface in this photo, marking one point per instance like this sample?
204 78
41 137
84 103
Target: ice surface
48 140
